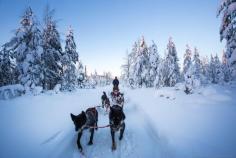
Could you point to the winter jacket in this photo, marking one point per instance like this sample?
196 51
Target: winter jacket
115 82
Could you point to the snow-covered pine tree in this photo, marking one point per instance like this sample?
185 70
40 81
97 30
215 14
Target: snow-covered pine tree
94 79
189 81
52 52
69 59
108 78
154 61
70 47
141 66
4 72
86 78
162 73
133 58
134 52
205 64
219 74
211 70
227 9
7 68
215 71
81 76
189 70
126 68
225 68
197 67
27 50
187 60
171 70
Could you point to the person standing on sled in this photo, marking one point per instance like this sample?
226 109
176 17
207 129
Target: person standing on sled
115 84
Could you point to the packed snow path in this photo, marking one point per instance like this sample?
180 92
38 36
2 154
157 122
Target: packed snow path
140 140
164 123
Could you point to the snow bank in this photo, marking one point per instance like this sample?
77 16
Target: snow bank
37 90
197 125
11 91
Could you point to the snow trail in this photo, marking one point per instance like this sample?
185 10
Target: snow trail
140 139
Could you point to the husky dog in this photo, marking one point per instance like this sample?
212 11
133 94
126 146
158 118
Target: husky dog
85 120
105 101
116 119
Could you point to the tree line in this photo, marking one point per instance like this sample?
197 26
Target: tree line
34 56
144 67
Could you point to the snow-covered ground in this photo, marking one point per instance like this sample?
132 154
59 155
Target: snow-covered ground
159 123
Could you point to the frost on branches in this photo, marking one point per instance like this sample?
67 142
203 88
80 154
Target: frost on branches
7 67
69 59
126 69
215 70
140 73
52 53
171 70
225 68
227 10
154 60
187 60
197 67
189 82
26 48
81 76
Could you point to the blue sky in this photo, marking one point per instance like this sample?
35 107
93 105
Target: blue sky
105 29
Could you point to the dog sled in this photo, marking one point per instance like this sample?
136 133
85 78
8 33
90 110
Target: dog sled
117 97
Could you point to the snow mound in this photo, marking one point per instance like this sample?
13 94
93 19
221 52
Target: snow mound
37 90
11 91
212 92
